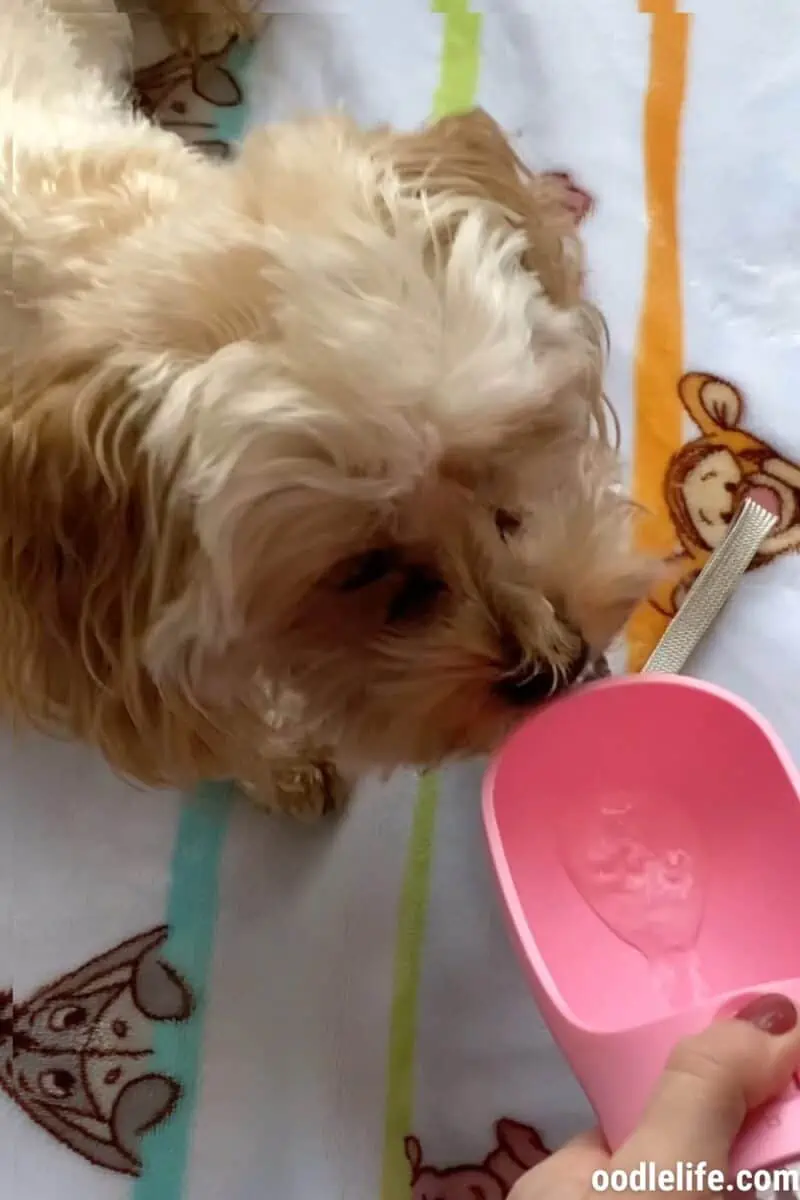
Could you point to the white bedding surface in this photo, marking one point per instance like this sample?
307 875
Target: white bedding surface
317 997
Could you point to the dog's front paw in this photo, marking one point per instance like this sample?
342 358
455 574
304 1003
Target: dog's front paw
303 790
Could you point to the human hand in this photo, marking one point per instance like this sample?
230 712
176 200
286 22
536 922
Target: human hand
709 1085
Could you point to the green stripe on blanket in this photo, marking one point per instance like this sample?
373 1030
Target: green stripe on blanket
461 57
458 84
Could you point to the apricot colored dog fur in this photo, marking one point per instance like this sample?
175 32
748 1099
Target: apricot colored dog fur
303 461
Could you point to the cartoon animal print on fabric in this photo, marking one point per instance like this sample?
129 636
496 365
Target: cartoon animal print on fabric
519 1148
181 94
77 1056
580 202
706 479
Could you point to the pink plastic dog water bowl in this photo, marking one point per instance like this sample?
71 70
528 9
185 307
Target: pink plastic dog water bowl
645 833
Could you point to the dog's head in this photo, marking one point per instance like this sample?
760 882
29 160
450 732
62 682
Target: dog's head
371 377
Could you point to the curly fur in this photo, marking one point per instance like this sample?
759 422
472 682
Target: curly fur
303 450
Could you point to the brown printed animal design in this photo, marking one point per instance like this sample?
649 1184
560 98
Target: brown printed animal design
77 1056
706 479
181 93
579 202
519 1148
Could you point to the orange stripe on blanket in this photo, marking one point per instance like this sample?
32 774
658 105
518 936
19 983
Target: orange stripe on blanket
659 7
659 355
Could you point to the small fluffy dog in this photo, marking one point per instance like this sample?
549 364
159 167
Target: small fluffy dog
303 463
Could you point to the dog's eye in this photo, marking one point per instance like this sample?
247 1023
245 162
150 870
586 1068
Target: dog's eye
507 522
417 596
367 569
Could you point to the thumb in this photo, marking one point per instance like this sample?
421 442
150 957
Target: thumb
712 1081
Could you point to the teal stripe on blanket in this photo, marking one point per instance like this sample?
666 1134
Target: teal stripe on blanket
231 122
191 916
191 906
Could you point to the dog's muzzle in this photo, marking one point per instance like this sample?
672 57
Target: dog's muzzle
534 684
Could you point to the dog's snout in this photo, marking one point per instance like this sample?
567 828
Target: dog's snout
536 682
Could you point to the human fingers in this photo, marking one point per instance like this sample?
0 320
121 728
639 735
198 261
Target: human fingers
711 1082
566 1174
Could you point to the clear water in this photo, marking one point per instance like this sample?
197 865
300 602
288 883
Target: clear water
639 863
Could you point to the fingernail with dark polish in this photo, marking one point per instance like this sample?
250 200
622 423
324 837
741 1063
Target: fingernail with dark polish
772 1013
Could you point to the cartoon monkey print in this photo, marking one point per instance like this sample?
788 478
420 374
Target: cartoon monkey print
707 478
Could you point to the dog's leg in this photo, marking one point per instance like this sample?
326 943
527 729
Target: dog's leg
199 26
303 789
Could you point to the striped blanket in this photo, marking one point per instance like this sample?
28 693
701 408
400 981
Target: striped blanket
197 1003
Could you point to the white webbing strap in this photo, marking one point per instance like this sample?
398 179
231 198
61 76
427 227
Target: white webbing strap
712 589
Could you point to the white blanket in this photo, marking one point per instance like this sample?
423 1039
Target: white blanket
211 1005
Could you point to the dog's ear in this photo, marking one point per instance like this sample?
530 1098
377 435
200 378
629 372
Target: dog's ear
466 158
79 508
468 155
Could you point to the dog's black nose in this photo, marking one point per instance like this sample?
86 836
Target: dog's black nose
536 682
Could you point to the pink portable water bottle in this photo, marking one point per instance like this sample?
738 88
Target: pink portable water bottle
645 834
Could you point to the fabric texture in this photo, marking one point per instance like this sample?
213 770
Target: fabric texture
212 1005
